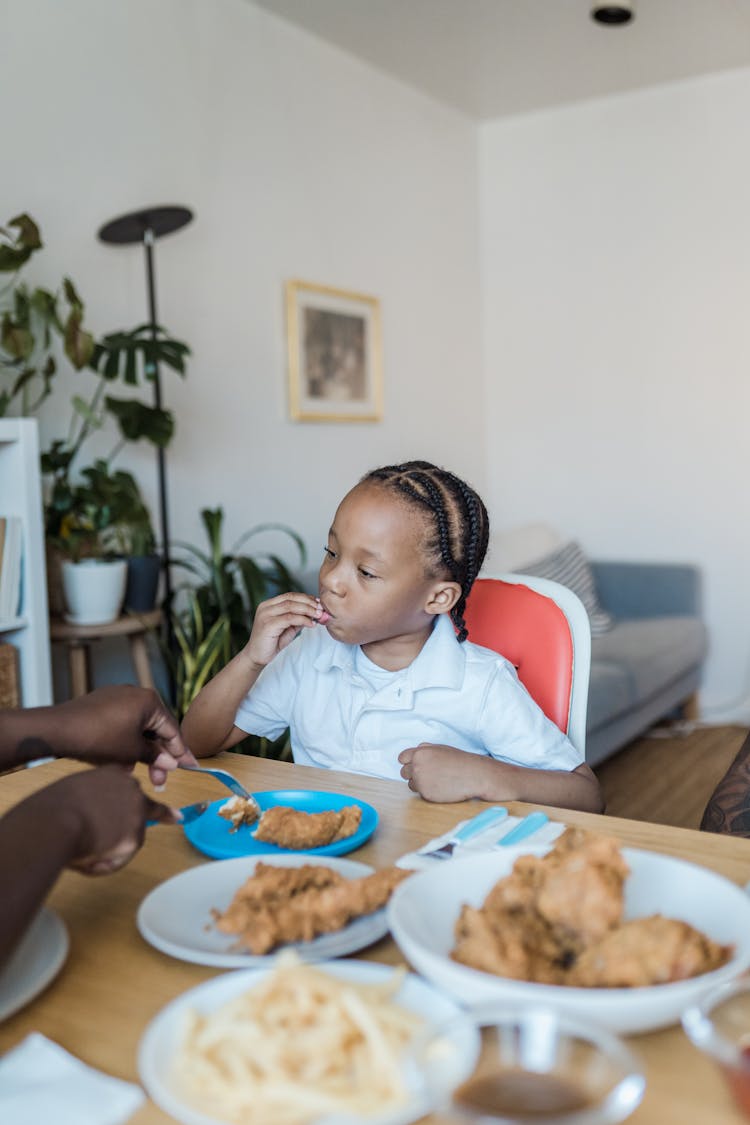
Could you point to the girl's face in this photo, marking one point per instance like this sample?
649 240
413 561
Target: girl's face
373 580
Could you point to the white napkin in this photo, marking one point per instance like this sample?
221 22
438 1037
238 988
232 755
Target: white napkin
487 841
40 1081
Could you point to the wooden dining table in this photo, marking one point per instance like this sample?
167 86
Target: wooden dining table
113 982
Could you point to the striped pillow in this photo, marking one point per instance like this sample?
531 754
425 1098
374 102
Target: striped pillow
569 566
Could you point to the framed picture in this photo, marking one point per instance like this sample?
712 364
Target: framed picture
335 361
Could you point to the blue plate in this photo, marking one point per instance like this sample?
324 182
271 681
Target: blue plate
211 834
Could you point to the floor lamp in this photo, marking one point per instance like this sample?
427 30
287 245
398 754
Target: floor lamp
146 226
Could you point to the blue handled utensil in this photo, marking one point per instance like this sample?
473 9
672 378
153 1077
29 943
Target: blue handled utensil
472 827
187 812
526 827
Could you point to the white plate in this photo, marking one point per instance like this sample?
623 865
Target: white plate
423 911
162 1037
36 961
176 916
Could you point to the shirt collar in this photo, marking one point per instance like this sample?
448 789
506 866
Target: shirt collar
441 663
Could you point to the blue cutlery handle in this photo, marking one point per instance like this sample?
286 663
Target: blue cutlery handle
478 823
526 827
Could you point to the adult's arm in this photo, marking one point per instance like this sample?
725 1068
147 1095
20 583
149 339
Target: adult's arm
93 821
123 724
728 808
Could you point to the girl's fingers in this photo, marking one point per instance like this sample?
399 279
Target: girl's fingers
288 619
300 601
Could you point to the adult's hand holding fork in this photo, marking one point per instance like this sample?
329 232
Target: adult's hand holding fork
121 724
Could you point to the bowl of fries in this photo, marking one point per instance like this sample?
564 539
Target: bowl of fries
299 1044
539 1065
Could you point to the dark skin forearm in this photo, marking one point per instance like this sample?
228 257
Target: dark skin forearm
728 808
93 820
123 724
47 839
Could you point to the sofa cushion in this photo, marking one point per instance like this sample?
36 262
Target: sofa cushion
637 659
569 566
610 693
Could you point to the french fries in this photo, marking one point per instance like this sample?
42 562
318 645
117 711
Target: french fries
299 1045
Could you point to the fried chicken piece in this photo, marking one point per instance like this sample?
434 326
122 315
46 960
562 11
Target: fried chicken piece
299 911
508 932
647 951
535 921
269 884
351 818
580 894
298 831
508 945
240 810
558 920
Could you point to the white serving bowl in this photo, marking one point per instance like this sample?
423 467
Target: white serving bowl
424 909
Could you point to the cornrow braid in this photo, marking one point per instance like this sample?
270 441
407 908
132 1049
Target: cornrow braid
460 522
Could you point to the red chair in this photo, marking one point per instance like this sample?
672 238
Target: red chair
542 628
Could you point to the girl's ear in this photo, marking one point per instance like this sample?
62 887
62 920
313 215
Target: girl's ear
443 597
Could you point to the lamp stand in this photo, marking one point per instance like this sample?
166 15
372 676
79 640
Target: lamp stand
146 226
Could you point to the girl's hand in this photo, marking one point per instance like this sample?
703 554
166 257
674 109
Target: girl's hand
277 623
442 773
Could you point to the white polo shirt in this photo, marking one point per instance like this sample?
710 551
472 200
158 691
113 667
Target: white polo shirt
346 713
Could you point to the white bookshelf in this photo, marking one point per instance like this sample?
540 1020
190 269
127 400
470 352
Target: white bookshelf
21 495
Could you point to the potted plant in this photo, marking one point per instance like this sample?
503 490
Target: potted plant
143 562
214 609
132 535
103 517
33 323
81 525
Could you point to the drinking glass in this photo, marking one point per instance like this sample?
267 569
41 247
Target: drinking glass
720 1026
536 1065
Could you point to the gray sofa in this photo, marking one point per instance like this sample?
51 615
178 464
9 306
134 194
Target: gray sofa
650 662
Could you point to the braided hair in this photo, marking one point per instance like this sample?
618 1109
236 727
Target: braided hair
460 524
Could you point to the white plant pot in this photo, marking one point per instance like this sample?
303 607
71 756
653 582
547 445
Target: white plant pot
94 590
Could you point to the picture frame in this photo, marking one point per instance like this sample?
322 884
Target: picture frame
334 350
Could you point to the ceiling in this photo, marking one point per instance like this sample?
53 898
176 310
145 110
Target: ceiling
491 58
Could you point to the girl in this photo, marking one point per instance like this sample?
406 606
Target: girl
376 676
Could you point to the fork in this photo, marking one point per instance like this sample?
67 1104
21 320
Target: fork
187 813
222 776
472 827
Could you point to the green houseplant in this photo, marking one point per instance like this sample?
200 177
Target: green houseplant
99 521
36 324
214 609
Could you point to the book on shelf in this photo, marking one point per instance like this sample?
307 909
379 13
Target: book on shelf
11 550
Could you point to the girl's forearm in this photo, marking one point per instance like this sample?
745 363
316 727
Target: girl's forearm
575 789
208 726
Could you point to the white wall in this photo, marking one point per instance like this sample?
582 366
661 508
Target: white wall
613 276
298 161
615 259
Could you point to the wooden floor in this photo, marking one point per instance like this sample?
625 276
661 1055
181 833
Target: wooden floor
669 779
